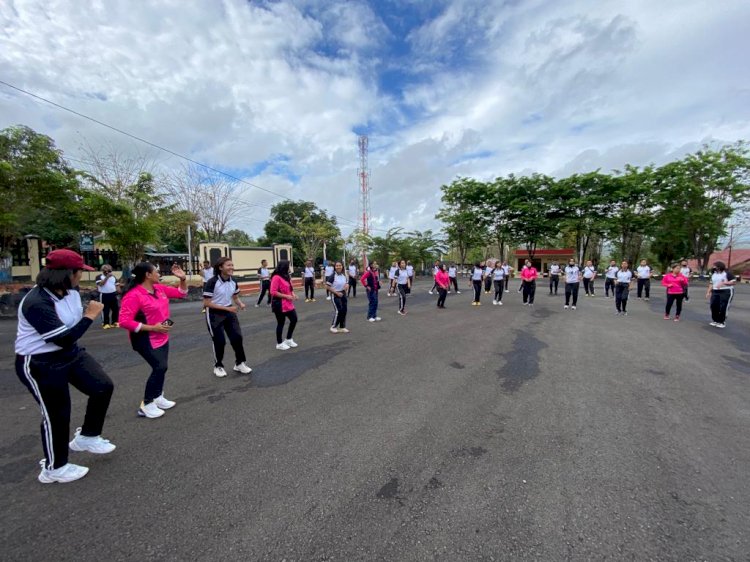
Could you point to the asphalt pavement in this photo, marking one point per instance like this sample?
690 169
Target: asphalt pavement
471 433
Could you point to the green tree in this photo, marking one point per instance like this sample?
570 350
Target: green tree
385 249
39 191
237 237
532 217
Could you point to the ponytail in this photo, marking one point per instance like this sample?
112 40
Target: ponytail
138 275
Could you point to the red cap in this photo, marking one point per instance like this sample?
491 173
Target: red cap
66 259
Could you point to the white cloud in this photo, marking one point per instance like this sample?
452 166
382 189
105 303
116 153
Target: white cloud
491 87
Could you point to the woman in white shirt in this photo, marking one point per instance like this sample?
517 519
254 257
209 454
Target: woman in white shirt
309 281
476 283
622 288
554 277
453 277
498 280
720 292
337 285
589 274
403 286
644 279
353 279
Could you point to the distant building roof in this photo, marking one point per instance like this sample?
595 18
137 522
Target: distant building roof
740 257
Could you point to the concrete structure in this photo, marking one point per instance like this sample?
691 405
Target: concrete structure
543 257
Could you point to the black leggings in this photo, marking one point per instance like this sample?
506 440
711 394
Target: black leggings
339 311
111 308
720 301
670 300
477 284
47 377
353 286
529 290
571 289
441 299
402 290
454 282
499 290
158 360
487 284
644 284
280 319
265 287
622 290
309 287
218 323
609 284
554 281
588 285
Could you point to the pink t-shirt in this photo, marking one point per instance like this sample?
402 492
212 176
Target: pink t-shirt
529 274
280 285
675 284
442 279
140 307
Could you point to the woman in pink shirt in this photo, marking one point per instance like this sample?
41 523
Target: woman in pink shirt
443 282
676 284
282 304
528 282
144 312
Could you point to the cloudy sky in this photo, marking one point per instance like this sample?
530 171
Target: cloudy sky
276 92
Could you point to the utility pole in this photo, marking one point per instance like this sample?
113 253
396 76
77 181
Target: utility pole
731 240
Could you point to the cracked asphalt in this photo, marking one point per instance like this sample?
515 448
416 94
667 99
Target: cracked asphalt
489 433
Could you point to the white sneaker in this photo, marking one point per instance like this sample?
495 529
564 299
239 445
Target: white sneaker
566 307
458 292
163 403
721 325
429 292
220 372
150 410
713 324
91 444
242 368
371 320
507 290
573 307
499 303
257 306
66 473
328 298
334 330
291 343
344 330
282 346
494 303
378 319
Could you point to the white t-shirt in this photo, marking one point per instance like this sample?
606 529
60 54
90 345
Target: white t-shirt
392 272
208 273
499 274
554 270
624 276
352 271
506 269
476 275
264 274
572 274
309 272
685 271
410 270
644 272
452 272
589 271
612 272
337 281
329 270
109 285
403 276
720 276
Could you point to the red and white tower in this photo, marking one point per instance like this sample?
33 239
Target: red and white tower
364 185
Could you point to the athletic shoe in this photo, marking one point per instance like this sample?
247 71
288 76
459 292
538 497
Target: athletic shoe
106 326
163 403
371 320
116 325
282 346
573 307
666 317
458 292
721 325
494 303
378 319
307 300
429 292
648 299
328 298
500 303
479 304
402 313
566 307
473 303
624 313
242 368
150 410
618 313
334 330
344 330
312 300
290 342
66 473
507 290
257 306
676 318
713 323
91 444
220 372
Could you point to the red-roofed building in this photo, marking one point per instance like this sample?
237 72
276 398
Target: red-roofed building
740 260
543 257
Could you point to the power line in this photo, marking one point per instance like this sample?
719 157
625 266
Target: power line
167 150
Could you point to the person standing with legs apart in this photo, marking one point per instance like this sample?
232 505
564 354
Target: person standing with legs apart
371 282
221 297
720 293
554 277
453 276
476 283
589 274
443 282
265 283
145 315
644 279
309 281
353 274
337 285
686 273
329 270
622 289
51 320
528 278
282 305
610 279
498 280
675 282
403 286
572 283
107 285
435 269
